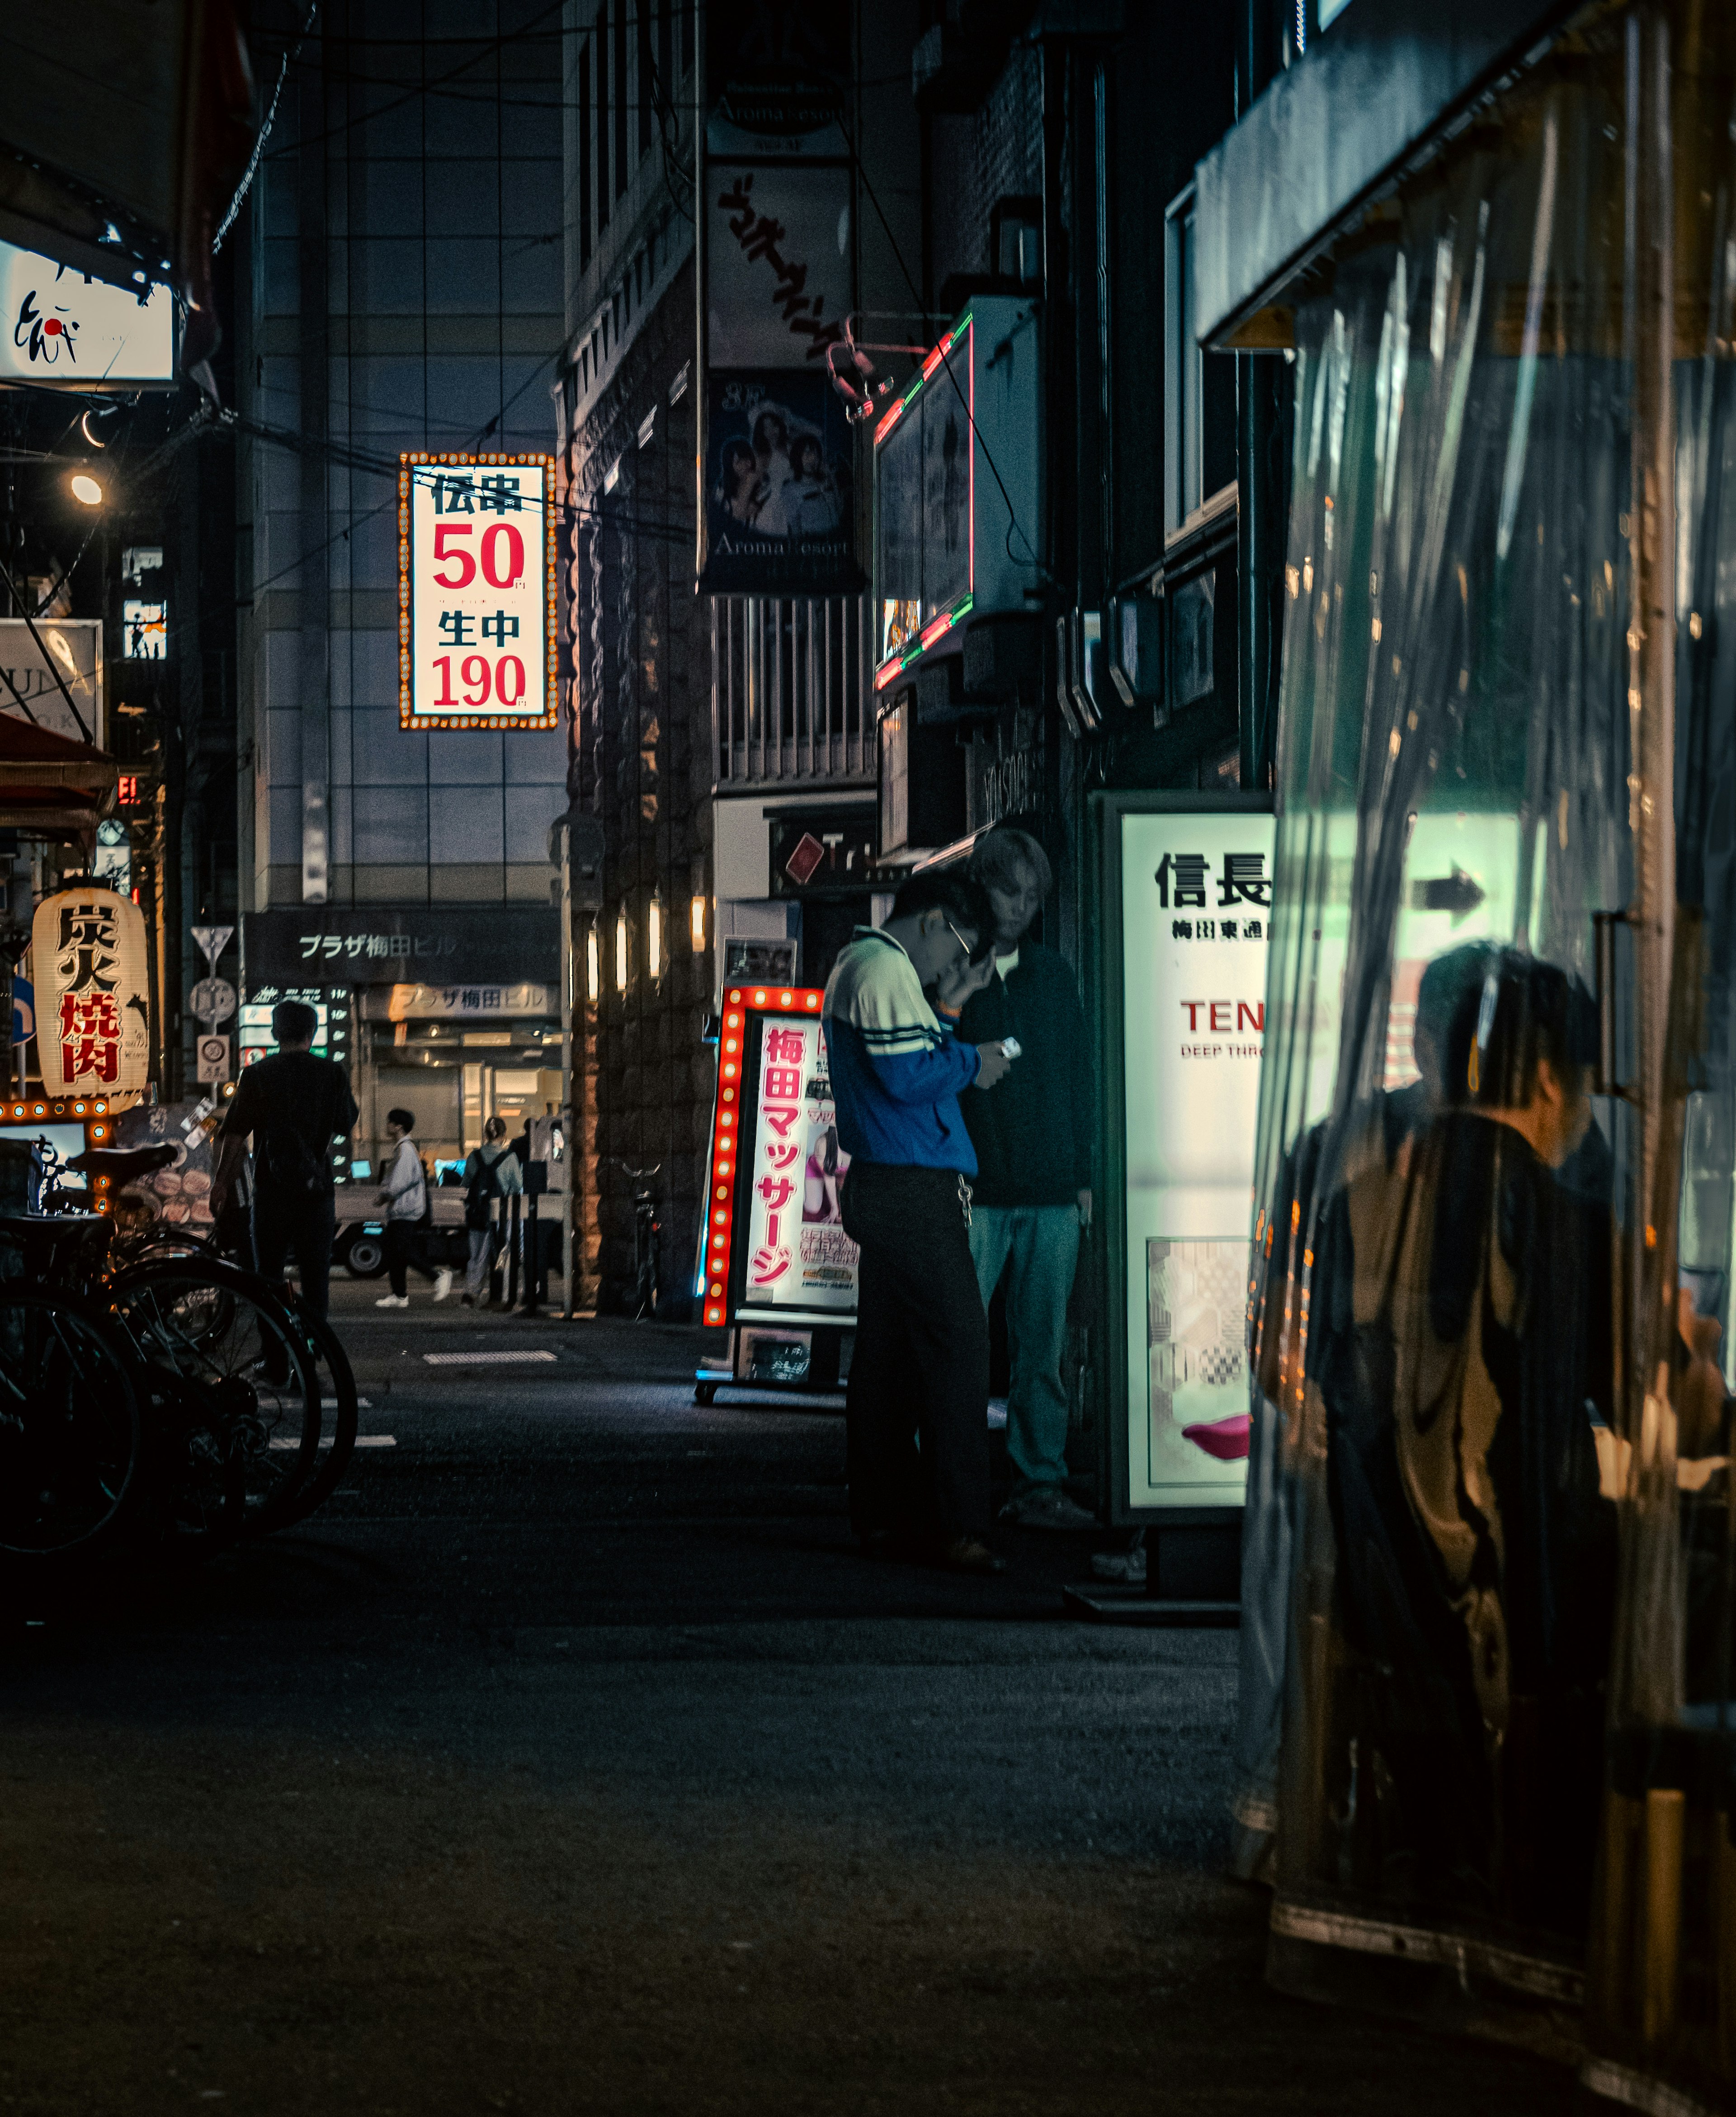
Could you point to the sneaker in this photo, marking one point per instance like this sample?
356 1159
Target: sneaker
393 1301
442 1284
1047 1506
966 1555
1128 1567
466 1301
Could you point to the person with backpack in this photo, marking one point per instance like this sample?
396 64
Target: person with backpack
293 1105
491 1172
404 1194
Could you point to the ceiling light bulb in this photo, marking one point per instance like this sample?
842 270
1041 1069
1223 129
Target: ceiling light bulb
87 490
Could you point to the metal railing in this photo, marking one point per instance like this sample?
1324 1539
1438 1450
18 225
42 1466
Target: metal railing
792 690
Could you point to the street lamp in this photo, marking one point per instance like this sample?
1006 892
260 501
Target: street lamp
621 951
85 488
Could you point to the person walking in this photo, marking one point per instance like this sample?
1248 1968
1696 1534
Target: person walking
292 1105
404 1194
916 1409
491 1172
1033 1142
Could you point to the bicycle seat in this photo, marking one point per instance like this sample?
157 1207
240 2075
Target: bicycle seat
122 1165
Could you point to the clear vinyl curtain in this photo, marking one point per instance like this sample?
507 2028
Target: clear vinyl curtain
1488 1594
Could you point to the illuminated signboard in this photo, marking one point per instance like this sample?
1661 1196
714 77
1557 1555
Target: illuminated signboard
62 328
957 485
92 974
1187 925
70 1125
476 592
58 671
776 1249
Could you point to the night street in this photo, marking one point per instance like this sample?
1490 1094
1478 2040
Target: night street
572 1759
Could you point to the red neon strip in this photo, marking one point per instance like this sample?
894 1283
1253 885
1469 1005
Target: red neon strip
970 386
891 420
933 632
884 674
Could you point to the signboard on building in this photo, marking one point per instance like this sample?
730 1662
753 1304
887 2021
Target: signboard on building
57 673
333 1019
476 594
776 1249
778 263
62 328
389 946
1187 925
94 1026
778 510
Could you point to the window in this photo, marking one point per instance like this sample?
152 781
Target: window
584 158
1198 389
602 117
620 96
646 64
1182 368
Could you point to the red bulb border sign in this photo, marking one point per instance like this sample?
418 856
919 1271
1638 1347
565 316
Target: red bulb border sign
775 1246
476 612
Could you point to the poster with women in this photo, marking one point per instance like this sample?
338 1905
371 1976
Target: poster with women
798 1254
778 510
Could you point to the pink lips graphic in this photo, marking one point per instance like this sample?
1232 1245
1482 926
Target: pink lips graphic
1225 1438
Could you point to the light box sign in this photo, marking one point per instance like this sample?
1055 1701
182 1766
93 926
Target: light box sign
957 491
58 671
776 1249
1192 895
92 1033
64 328
476 592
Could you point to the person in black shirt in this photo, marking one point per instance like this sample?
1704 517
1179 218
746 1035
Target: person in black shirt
1032 1191
294 1105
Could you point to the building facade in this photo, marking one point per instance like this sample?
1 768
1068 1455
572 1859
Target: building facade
402 277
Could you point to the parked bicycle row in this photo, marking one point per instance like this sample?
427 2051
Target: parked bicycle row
153 1395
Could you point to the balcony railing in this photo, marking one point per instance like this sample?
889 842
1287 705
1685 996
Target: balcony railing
792 690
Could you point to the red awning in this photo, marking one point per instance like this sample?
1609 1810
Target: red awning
50 787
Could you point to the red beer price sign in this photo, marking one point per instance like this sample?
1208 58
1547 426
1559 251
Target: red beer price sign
476 564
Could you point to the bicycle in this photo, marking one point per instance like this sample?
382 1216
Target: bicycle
339 1399
177 1387
648 1240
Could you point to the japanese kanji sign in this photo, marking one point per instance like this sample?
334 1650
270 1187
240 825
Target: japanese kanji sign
1195 917
93 1021
476 594
776 1238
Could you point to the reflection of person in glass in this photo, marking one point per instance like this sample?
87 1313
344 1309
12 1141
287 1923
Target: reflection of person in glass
826 1169
737 489
1461 1351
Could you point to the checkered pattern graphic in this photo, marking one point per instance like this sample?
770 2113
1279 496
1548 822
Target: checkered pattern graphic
1196 1312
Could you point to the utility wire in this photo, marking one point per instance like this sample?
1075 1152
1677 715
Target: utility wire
265 131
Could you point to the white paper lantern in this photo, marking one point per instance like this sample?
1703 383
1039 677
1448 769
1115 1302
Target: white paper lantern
93 994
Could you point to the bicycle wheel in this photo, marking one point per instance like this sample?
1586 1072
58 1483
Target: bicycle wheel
225 1360
70 1431
340 1412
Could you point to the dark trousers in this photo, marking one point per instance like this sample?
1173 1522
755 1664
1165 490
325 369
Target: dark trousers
306 1225
916 1412
404 1252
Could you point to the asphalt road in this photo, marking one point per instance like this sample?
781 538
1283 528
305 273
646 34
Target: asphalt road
573 1760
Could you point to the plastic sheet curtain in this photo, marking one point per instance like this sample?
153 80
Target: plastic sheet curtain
1487 1564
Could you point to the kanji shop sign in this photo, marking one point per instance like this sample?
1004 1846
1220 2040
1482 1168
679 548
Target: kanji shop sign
93 985
476 592
1196 921
775 1239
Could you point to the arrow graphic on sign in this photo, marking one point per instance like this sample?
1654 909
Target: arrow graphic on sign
1458 892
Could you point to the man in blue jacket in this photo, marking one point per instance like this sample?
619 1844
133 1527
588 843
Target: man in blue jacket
920 1366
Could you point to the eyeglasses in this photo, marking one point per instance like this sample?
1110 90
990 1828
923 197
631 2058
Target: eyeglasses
971 955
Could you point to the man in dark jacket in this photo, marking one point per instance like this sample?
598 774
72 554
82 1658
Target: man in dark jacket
1032 1141
294 1104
